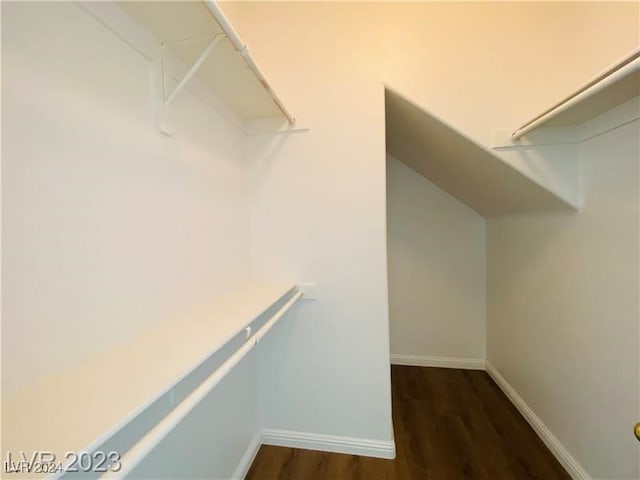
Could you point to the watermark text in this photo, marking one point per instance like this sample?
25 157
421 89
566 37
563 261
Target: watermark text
44 461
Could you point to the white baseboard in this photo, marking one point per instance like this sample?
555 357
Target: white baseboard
330 443
387 449
442 362
564 457
247 459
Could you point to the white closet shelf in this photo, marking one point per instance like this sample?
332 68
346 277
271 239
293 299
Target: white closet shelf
612 87
187 30
85 404
461 167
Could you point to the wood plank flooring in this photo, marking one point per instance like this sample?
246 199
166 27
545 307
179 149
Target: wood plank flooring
449 424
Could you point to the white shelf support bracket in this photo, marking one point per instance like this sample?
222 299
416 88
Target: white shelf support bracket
162 76
194 68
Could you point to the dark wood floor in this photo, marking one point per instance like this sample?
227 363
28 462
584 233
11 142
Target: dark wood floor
449 424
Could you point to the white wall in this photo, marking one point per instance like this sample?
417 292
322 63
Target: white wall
318 209
108 226
562 316
318 203
436 261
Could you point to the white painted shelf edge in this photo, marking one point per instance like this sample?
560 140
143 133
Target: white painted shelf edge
243 51
618 116
85 404
610 79
615 86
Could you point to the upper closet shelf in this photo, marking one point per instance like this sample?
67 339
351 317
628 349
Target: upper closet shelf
199 35
612 87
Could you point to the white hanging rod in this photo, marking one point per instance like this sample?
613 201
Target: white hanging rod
194 68
158 433
231 34
620 69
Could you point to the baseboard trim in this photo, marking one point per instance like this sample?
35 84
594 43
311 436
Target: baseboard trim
330 443
570 464
387 449
442 362
247 459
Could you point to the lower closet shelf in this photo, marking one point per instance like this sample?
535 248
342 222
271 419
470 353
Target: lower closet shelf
87 406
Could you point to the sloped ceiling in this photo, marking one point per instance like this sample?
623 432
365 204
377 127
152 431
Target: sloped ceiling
459 166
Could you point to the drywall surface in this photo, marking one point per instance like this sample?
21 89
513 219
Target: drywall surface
318 205
562 317
436 261
318 214
108 226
